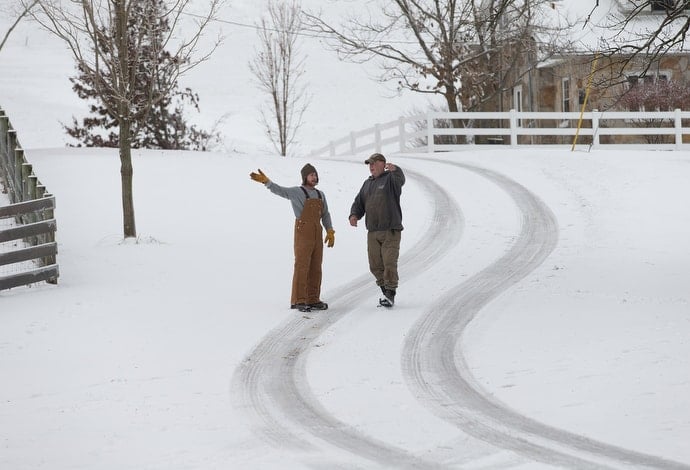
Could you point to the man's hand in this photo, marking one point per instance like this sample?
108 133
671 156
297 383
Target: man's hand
259 177
330 238
353 220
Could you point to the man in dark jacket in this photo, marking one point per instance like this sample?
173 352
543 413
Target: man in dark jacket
379 199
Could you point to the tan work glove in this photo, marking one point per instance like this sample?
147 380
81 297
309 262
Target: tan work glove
259 177
330 238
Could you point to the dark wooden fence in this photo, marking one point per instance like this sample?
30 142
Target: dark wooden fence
28 236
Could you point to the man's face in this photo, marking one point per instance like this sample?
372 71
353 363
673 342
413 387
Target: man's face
377 168
312 179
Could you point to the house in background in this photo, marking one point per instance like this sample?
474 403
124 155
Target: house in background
561 82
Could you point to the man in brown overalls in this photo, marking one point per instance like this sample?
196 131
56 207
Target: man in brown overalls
311 210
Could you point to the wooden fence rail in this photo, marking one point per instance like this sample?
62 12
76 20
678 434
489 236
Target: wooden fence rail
445 131
30 229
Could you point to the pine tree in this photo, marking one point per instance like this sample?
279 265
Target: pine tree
162 126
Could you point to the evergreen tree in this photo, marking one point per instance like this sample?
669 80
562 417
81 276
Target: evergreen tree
161 126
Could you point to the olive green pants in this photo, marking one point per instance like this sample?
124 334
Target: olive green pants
383 248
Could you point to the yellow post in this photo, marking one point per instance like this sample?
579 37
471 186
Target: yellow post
584 103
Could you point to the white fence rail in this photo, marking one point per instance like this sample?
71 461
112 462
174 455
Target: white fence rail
445 131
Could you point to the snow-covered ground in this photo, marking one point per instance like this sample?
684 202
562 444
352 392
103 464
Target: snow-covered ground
543 316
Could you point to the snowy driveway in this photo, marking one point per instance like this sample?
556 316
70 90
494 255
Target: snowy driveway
273 381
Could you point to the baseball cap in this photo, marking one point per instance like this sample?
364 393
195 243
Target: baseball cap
375 157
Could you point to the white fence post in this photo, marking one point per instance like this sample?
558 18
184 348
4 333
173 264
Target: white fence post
595 128
430 132
679 129
513 128
377 138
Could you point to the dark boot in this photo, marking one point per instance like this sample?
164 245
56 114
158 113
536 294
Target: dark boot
301 307
390 295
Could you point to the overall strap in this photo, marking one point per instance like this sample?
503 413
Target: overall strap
306 194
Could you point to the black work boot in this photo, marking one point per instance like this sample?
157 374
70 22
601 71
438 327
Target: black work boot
318 306
388 298
390 295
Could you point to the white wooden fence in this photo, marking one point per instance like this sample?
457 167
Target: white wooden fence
435 131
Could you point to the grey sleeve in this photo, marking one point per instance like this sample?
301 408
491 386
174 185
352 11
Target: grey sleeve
282 191
293 194
326 215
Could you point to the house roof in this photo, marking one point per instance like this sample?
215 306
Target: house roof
604 24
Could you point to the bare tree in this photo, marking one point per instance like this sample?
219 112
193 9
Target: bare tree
629 36
279 68
106 38
24 9
658 95
468 51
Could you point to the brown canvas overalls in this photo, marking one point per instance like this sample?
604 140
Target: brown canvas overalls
306 279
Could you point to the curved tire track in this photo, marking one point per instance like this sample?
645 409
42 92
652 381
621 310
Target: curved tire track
271 382
437 372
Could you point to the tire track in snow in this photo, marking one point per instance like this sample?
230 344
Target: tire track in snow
271 382
437 372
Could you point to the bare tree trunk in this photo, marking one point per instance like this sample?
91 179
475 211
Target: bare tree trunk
127 177
125 124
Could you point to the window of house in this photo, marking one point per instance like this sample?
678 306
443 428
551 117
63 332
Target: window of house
648 78
565 95
661 5
666 5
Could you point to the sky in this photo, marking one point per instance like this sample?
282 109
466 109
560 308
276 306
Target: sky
542 319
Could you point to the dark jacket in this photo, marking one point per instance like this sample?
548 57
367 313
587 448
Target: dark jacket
379 199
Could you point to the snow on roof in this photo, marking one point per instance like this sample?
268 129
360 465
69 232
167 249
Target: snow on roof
607 23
